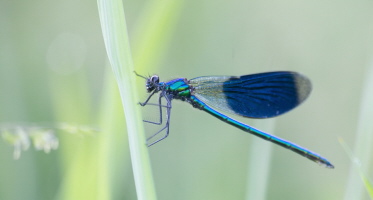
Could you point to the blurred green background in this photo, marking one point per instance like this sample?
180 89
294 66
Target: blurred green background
53 69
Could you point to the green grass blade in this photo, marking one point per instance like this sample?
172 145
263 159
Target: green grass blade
117 46
153 32
259 164
71 103
357 166
364 138
114 156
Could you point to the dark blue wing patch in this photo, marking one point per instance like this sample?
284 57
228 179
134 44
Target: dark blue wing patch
260 95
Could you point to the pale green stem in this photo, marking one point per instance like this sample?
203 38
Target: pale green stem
259 163
115 35
357 166
364 139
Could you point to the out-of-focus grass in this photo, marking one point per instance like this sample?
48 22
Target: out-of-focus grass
363 141
153 33
79 161
95 167
116 170
23 136
356 164
259 163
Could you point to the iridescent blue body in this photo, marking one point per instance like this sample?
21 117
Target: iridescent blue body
261 95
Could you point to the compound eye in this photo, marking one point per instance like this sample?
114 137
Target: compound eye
154 79
152 83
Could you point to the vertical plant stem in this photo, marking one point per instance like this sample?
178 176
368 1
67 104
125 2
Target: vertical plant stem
364 138
113 144
357 166
115 35
259 163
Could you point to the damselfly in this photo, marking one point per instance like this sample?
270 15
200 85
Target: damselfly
260 95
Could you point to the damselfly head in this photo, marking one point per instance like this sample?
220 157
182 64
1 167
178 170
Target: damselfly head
152 82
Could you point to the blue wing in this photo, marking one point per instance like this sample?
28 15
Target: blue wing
260 95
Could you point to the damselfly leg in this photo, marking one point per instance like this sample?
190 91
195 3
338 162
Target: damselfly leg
168 114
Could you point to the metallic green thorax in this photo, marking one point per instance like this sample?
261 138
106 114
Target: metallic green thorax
180 87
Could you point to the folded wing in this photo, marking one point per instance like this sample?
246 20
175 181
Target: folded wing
260 95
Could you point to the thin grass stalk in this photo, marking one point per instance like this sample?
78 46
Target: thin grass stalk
357 166
259 163
364 139
69 96
115 35
113 144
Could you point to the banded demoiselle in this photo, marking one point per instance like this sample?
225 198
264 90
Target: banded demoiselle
261 95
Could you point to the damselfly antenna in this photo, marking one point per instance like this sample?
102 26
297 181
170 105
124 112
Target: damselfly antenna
140 75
